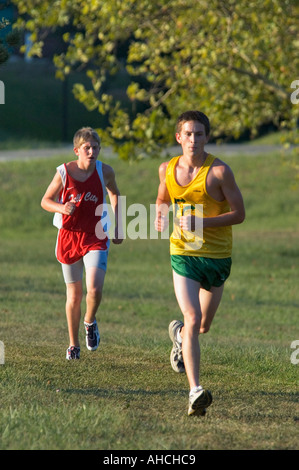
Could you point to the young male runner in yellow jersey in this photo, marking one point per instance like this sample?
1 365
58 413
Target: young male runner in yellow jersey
197 179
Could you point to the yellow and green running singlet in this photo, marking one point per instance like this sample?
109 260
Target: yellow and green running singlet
213 242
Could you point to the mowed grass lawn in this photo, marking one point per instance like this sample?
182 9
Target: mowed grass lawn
125 396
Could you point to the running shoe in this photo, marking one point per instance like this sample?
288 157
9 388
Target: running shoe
72 352
92 336
176 356
199 401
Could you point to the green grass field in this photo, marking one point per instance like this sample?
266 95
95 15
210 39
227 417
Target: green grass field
125 396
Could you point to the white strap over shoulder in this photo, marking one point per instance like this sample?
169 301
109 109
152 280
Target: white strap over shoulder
99 166
57 219
62 171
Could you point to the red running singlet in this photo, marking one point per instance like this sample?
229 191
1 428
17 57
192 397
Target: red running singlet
82 231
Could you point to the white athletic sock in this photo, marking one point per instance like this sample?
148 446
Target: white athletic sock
88 324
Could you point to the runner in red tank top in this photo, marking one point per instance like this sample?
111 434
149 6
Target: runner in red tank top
87 196
77 197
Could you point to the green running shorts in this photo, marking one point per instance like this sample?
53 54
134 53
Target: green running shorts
207 271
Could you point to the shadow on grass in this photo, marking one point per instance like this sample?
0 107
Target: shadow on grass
104 393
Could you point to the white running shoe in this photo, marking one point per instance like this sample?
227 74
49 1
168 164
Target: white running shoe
92 336
199 401
73 352
176 357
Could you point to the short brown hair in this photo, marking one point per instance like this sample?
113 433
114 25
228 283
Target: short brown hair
84 135
193 116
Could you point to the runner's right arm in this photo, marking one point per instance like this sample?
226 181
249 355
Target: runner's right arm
49 200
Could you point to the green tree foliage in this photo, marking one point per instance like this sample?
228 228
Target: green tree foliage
8 39
233 59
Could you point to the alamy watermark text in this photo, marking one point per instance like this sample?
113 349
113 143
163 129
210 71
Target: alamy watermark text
2 93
